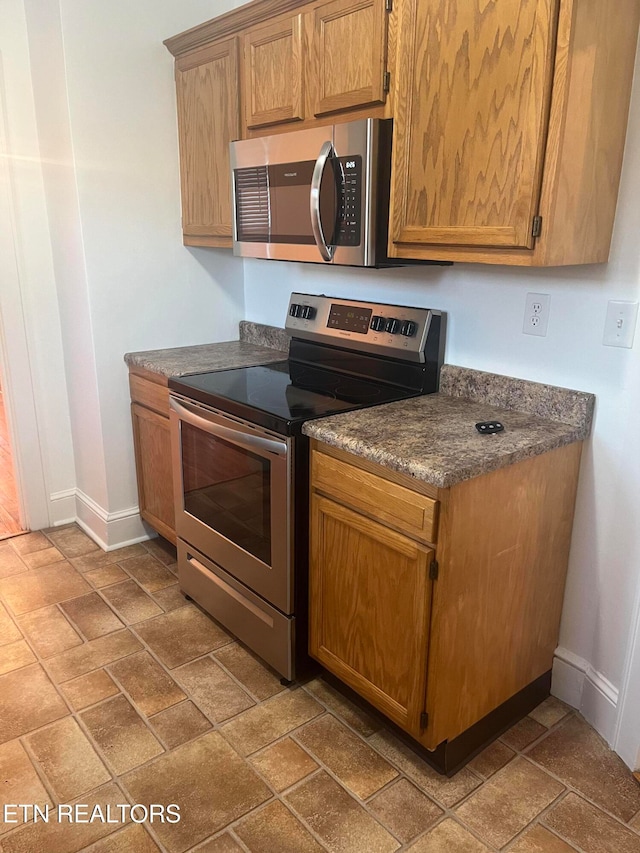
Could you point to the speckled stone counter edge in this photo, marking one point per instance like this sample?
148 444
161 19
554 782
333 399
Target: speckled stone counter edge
264 336
545 401
432 438
257 345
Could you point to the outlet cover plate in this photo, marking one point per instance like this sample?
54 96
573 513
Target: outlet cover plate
620 324
536 314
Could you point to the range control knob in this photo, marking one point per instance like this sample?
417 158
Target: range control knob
408 328
378 323
295 310
392 326
307 312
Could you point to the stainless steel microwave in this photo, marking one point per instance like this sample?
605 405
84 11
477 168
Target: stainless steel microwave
319 195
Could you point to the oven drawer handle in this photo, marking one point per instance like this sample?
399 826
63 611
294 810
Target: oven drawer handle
252 442
230 591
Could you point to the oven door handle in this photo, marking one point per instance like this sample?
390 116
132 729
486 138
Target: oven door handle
326 152
250 442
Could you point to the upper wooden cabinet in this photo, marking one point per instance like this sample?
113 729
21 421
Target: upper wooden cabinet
471 130
273 73
328 59
268 67
208 119
510 122
510 116
350 55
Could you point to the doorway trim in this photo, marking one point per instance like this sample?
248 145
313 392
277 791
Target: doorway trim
15 361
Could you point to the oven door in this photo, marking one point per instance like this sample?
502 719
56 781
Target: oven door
233 493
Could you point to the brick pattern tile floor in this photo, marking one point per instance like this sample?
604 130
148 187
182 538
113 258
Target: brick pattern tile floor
114 689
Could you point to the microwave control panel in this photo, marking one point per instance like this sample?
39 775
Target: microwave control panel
348 226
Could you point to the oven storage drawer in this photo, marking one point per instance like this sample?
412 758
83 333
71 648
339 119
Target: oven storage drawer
263 628
407 511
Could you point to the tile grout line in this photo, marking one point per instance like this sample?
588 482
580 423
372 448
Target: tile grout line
537 820
240 684
553 832
572 789
447 811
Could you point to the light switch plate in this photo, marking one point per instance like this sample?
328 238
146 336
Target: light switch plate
620 325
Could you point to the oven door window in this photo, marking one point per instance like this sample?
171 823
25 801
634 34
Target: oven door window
228 488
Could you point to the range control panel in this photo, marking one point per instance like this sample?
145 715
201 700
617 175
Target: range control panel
394 330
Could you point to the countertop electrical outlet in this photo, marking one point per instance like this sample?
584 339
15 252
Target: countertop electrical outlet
536 314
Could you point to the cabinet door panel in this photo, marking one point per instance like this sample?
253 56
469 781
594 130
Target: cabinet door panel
471 120
274 73
208 119
152 445
350 54
370 605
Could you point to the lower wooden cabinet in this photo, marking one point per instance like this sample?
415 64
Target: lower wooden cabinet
438 630
152 447
370 600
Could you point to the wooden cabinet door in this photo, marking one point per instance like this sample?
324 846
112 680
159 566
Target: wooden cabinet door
152 446
273 73
370 605
208 119
471 114
350 53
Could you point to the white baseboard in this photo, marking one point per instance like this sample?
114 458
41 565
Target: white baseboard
578 684
109 529
62 507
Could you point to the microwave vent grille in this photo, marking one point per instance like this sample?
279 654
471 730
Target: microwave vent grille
253 216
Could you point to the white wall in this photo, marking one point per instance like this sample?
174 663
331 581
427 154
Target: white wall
145 289
486 306
105 106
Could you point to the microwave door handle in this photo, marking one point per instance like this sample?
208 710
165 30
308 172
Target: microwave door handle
326 152
249 442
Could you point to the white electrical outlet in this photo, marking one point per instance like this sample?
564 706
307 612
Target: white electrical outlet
536 314
620 325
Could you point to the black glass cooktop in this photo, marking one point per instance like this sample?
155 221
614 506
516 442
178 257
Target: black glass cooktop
282 395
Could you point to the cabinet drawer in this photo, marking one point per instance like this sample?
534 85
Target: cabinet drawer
403 509
149 394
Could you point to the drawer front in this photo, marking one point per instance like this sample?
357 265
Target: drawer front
403 509
263 628
149 394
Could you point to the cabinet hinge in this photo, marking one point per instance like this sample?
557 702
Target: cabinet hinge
536 229
424 720
386 81
434 568
388 5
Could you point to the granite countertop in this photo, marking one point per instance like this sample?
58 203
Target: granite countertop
258 344
433 438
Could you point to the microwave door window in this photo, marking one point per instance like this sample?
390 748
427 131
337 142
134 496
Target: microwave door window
289 188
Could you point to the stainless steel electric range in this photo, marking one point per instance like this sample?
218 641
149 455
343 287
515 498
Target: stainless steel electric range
240 461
